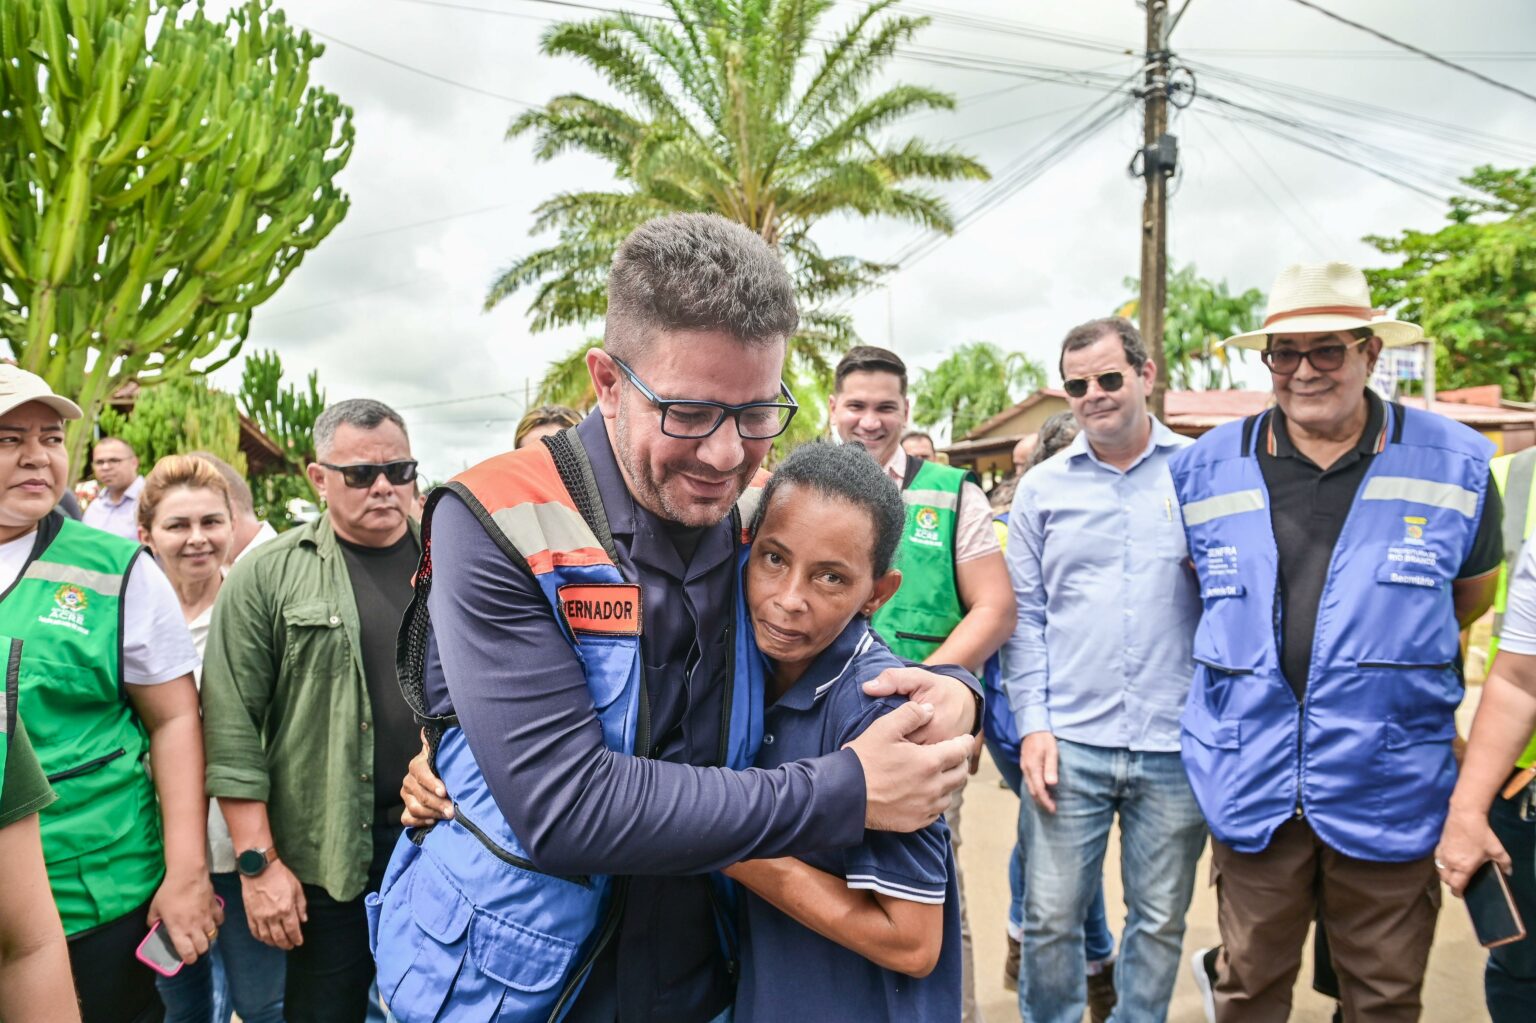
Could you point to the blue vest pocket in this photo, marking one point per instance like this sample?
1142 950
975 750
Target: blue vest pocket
1401 734
1212 733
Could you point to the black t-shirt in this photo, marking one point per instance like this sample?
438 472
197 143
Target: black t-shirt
1308 506
381 585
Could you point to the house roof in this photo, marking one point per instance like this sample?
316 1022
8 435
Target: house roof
1198 411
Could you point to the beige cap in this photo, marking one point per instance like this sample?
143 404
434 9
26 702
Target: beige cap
17 387
1324 297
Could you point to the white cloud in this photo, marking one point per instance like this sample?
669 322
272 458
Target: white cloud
401 319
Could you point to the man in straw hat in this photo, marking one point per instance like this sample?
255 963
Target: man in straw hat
1341 542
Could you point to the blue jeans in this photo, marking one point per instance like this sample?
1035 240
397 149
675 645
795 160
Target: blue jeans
1162 835
1509 983
239 975
1098 941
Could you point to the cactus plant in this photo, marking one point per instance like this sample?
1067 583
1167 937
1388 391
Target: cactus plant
161 175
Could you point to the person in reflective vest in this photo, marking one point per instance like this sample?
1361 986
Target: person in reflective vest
106 690
34 960
1493 810
1340 542
577 646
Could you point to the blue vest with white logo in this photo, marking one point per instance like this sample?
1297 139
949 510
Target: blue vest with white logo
1365 756
466 927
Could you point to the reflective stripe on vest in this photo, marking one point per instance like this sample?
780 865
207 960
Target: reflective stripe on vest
925 610
1378 711
1513 475
465 924
65 608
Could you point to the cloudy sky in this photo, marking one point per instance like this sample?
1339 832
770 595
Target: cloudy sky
390 305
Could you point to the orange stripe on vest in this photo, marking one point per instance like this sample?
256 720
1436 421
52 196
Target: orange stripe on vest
527 475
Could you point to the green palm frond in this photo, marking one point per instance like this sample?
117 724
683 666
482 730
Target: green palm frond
731 107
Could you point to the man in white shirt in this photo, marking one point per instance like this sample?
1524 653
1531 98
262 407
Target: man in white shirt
116 508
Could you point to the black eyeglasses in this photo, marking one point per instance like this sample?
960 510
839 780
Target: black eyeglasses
1324 358
691 419
363 474
1077 387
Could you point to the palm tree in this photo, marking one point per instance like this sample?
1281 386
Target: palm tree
726 109
1198 314
973 383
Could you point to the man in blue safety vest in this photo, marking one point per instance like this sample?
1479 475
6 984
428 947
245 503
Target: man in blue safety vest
1341 541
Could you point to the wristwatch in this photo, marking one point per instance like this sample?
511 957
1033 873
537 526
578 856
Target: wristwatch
253 861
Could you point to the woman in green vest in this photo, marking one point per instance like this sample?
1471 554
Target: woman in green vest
106 689
34 961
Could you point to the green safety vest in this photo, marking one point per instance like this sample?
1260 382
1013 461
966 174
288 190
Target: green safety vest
1513 474
101 838
8 699
926 609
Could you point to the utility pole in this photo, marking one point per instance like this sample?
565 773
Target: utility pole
1158 160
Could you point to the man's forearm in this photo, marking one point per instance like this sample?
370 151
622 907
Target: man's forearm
249 827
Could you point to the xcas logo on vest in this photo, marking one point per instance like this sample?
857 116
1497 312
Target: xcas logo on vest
927 531
69 606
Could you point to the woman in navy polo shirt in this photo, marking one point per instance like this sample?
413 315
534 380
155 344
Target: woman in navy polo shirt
871 932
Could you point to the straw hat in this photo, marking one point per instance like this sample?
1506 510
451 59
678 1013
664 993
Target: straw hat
1322 297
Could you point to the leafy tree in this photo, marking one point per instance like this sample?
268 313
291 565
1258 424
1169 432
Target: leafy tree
284 413
287 415
726 109
173 418
163 175
1199 314
973 383
1472 284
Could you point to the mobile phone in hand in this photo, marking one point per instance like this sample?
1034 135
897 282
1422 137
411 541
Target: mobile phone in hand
1495 919
158 952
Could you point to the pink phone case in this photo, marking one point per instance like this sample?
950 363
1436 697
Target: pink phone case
138 953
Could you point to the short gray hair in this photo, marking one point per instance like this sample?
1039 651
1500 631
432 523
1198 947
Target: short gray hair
1090 333
363 413
696 271
239 491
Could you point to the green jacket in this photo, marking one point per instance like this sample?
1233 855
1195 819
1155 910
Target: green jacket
101 838
925 610
286 712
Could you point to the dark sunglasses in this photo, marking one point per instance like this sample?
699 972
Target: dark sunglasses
1077 387
690 419
1324 358
363 474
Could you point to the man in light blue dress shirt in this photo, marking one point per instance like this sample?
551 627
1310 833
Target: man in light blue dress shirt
1096 674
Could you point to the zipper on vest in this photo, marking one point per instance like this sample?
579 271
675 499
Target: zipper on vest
728 698
87 767
1441 665
509 857
609 929
1301 704
919 637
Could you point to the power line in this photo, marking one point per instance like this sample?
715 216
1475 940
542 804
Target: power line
1511 56
1414 49
336 301
419 71
457 401
1242 169
421 223
1015 124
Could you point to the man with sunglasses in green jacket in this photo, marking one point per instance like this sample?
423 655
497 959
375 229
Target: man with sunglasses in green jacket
307 735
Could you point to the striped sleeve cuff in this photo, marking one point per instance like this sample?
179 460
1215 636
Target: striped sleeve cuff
933 896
